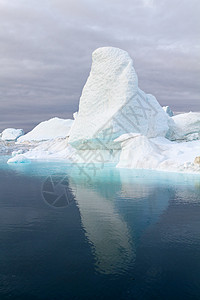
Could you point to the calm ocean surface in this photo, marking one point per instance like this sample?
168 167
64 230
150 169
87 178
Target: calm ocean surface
67 233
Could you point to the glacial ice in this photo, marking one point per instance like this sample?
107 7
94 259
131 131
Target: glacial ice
11 134
47 130
185 127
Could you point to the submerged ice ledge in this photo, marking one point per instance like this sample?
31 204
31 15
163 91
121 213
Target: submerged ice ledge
118 122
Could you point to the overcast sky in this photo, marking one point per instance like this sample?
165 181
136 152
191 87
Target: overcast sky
46 47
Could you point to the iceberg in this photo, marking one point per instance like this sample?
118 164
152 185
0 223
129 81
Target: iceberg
186 127
117 123
112 104
47 130
11 134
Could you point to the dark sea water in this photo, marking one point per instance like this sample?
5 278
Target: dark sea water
116 234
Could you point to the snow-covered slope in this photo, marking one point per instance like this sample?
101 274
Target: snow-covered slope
11 134
112 104
51 129
185 127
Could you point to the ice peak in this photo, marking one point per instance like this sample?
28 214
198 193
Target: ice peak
111 101
110 53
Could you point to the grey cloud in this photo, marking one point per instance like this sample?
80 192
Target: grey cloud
46 46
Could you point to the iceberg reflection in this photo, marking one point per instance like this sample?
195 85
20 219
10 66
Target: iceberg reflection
107 228
108 233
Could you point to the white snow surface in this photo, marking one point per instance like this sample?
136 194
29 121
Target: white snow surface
185 127
112 104
11 134
47 130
